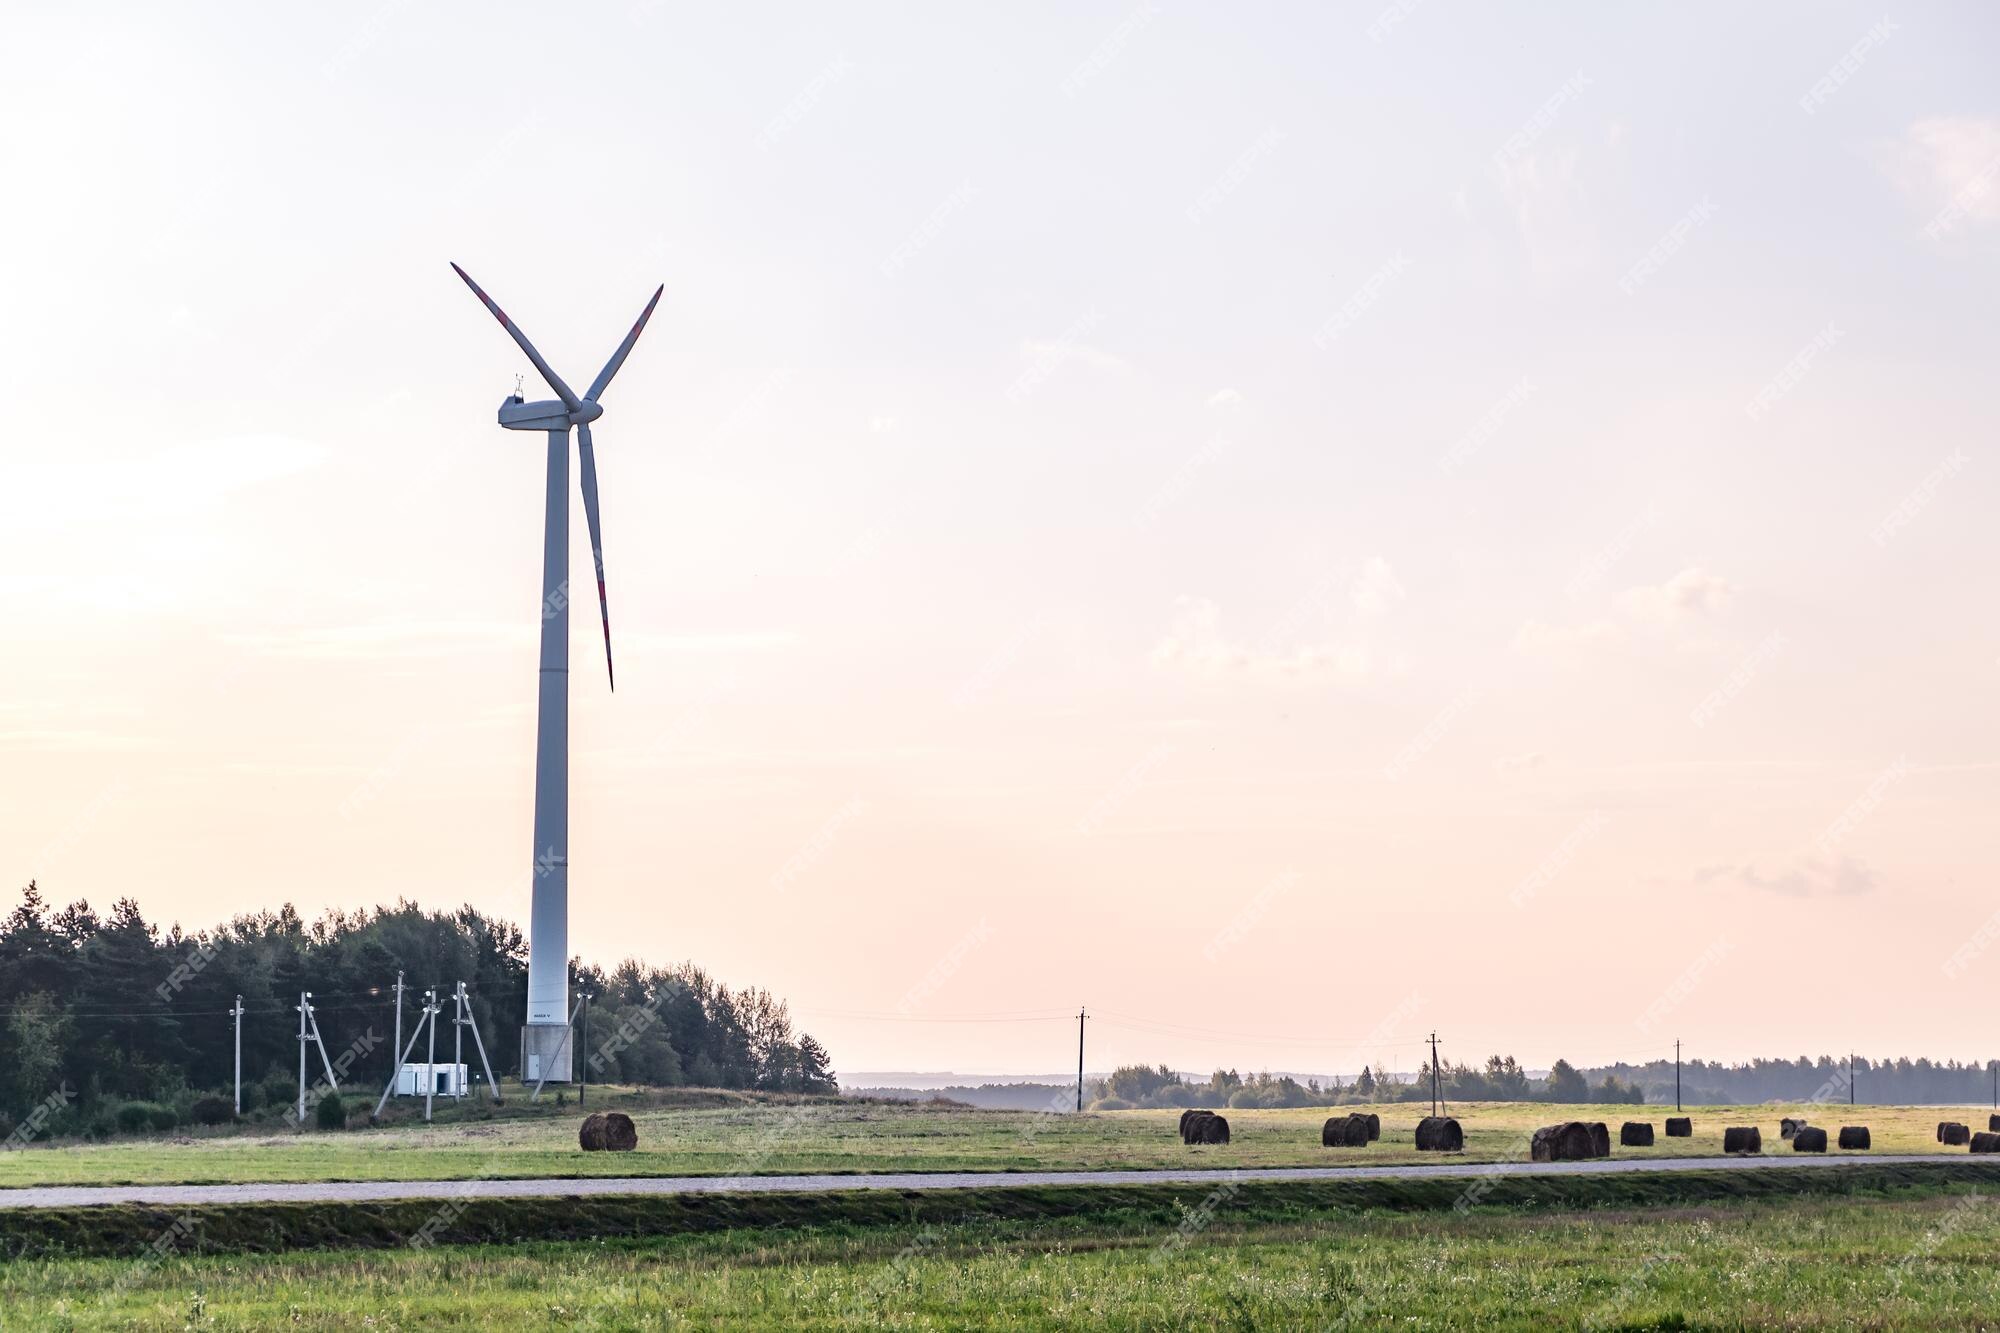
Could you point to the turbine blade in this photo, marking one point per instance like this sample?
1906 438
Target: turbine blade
624 349
589 477
555 381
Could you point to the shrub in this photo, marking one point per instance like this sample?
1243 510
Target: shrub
138 1117
1111 1104
212 1110
281 1089
330 1114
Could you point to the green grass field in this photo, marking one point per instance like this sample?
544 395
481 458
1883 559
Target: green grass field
1910 1260
865 1137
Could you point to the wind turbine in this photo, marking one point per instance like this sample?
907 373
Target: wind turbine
545 1046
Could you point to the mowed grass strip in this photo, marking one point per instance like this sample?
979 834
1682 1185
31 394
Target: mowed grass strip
1915 1258
139 1231
872 1137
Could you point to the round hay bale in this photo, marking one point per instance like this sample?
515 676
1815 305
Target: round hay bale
1374 1126
607 1131
620 1134
1986 1142
1344 1131
1790 1125
1742 1138
1809 1138
1439 1133
1953 1134
1680 1127
1569 1141
1189 1119
1635 1134
1600 1139
1210 1128
1993 1123
1854 1136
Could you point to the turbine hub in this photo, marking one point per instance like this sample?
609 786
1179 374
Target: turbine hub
586 413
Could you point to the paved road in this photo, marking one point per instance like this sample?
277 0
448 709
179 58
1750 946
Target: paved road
69 1196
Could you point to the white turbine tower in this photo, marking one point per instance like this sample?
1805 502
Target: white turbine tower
545 1045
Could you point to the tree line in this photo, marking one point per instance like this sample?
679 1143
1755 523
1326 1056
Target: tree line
1900 1082
96 1012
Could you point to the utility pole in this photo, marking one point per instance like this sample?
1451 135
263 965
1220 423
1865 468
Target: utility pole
1677 1073
583 1075
431 1008
302 1059
1079 1056
238 1013
458 1040
397 1044
1437 1095
1850 1078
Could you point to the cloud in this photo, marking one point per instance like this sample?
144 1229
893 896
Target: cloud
1225 398
1508 765
1546 194
1538 638
1951 165
1376 590
1691 592
1672 608
1196 642
1808 877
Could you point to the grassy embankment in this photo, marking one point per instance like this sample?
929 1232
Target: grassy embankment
1912 1250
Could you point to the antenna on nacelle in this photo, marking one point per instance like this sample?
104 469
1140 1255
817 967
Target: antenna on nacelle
519 396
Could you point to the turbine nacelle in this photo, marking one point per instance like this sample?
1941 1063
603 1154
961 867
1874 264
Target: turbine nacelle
547 414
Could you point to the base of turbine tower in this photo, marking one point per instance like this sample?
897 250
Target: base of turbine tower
546 1050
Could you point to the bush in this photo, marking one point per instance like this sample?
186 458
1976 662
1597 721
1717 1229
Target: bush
1111 1104
331 1113
212 1110
165 1117
281 1090
138 1117
253 1096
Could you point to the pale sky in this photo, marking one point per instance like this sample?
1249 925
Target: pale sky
1291 527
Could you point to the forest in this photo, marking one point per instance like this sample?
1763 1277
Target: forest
111 1022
